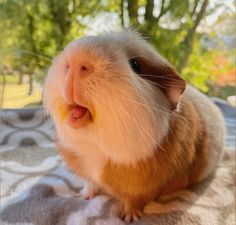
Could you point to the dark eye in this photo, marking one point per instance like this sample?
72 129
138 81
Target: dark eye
134 64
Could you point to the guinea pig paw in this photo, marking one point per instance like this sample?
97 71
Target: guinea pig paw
87 195
89 191
129 217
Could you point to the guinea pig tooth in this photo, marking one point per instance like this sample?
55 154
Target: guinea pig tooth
77 112
75 116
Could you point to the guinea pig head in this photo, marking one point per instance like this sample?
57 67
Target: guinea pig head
113 90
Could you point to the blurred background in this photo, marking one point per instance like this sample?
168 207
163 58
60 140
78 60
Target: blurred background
197 36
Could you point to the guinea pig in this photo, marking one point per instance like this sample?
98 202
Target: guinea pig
127 122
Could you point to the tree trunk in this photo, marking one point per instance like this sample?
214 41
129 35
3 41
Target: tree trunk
31 28
20 81
149 11
2 90
194 8
31 86
151 20
187 44
162 11
122 13
60 16
133 12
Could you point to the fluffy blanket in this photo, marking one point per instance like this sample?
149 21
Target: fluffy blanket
37 188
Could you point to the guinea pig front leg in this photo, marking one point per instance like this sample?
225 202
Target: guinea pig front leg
89 190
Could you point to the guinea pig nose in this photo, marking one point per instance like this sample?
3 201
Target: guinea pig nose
85 69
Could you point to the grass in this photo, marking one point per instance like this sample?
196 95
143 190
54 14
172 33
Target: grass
16 96
11 79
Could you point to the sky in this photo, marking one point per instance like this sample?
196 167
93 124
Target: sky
228 4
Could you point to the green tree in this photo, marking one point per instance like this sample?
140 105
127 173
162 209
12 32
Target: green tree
32 32
185 16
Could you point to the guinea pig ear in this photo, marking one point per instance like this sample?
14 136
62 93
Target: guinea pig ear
166 78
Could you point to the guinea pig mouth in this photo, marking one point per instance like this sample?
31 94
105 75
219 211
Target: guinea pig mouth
78 116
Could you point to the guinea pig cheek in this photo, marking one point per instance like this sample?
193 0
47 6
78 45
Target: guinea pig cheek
78 116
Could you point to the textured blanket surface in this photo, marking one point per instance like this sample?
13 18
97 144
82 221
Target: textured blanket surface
37 188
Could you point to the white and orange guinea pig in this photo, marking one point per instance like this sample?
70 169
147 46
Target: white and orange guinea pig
127 122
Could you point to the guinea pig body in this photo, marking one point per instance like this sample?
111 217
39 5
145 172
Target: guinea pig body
127 122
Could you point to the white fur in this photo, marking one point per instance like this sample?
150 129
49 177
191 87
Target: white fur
215 129
131 115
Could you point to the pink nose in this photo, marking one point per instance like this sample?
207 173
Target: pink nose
85 70
74 82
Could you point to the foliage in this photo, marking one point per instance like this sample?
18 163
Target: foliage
199 73
32 33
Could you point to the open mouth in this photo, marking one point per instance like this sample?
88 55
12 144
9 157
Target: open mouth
78 116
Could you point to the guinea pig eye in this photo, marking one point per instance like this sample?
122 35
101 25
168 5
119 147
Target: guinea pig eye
134 64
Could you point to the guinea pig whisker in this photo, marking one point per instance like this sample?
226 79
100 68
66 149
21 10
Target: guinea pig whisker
138 96
118 63
35 54
169 84
146 106
171 113
165 86
155 109
161 108
167 112
143 99
114 48
59 46
137 124
142 129
163 76
148 135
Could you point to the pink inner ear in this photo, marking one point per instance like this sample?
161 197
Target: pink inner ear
173 87
167 79
174 96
